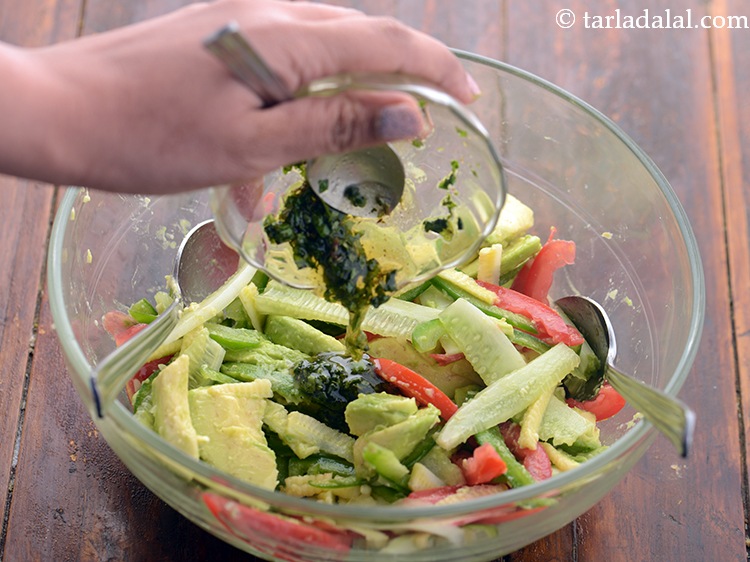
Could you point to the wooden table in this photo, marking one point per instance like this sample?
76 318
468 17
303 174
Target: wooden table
682 94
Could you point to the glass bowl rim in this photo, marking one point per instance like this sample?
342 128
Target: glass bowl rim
125 421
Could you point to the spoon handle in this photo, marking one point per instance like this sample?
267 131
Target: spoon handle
230 46
669 415
111 374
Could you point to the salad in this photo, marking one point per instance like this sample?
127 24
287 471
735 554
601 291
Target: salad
472 383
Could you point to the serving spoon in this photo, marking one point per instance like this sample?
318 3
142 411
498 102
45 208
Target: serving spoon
364 183
668 414
202 265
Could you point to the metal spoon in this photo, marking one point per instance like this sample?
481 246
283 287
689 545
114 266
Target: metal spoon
363 183
668 414
202 265
204 262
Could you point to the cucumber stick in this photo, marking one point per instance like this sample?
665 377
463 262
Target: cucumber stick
508 396
395 318
481 340
298 334
386 464
426 335
465 283
196 315
306 429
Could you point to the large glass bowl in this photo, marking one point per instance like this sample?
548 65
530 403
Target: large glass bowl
636 254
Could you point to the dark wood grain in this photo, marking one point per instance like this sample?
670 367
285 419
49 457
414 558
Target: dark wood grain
657 84
24 219
24 225
680 94
731 50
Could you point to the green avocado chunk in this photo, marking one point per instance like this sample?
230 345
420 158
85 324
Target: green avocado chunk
229 420
381 409
401 438
170 406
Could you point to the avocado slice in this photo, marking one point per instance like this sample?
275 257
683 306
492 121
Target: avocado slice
401 438
370 411
229 420
171 408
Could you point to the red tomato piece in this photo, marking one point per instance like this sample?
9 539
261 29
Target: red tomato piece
483 466
258 527
605 405
415 386
124 336
444 359
535 278
536 461
143 373
550 325
433 495
498 515
116 322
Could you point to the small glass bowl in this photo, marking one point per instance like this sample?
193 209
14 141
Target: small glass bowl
454 190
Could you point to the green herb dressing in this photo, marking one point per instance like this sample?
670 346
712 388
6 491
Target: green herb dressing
324 238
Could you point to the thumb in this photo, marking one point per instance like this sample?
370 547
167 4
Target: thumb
341 123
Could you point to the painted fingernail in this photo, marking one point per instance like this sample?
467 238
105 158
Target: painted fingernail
473 86
397 122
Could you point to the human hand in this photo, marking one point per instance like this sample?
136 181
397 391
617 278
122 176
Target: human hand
147 109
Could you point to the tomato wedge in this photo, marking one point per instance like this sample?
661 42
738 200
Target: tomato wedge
483 466
143 373
124 336
605 405
433 495
550 325
116 323
444 359
415 386
535 278
535 461
259 527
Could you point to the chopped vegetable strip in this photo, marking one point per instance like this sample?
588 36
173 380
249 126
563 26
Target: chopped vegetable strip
506 397
550 325
535 279
414 385
484 465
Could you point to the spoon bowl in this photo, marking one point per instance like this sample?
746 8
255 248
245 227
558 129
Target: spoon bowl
203 262
669 415
362 183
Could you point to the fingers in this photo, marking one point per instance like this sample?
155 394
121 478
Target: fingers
311 41
317 11
308 127
386 45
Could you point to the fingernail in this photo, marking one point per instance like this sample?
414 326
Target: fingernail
398 122
473 86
